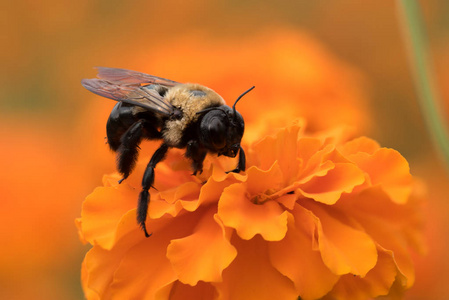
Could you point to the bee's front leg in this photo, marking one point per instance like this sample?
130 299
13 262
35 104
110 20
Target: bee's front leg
197 154
242 162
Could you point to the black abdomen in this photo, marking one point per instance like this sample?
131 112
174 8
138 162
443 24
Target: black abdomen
120 119
123 116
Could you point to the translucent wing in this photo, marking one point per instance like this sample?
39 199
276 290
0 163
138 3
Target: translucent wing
123 76
128 93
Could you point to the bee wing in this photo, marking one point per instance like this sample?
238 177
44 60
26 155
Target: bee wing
131 94
123 76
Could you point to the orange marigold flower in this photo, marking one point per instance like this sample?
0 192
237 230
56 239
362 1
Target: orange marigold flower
312 216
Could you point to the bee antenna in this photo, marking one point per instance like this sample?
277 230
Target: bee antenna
240 97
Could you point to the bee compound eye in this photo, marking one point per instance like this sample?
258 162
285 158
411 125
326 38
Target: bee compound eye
214 130
218 138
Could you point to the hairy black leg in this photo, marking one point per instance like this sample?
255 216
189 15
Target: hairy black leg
242 162
197 155
147 182
128 150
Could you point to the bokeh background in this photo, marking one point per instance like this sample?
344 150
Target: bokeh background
53 152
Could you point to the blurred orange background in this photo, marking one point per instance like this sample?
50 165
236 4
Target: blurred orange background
53 151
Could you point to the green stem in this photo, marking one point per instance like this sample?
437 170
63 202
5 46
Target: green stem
420 61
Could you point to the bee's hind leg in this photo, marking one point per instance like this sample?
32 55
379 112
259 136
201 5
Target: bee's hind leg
147 182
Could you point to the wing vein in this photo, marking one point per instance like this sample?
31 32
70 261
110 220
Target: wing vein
125 85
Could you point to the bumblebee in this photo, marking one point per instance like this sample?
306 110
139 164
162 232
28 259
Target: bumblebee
187 116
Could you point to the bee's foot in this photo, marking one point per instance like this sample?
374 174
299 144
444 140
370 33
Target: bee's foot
236 170
199 172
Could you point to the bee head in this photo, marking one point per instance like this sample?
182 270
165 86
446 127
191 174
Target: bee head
221 129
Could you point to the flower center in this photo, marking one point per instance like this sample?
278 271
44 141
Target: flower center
263 197
272 194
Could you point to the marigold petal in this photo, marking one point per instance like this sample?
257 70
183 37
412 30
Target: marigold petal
96 262
144 269
361 144
393 226
99 266
89 293
345 247
79 224
328 189
377 281
288 200
282 148
313 155
213 188
319 158
159 207
252 276
236 210
219 173
180 291
102 211
295 257
204 254
308 147
174 200
111 180
173 171
260 181
130 282
184 196
389 169
185 191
